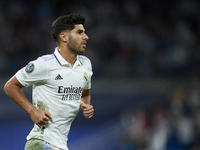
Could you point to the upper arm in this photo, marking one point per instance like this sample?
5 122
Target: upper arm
12 83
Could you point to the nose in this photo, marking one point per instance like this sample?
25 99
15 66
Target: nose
86 37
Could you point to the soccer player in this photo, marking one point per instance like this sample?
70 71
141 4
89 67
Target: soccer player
61 85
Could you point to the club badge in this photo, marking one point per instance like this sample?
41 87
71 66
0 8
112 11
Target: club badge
85 78
29 68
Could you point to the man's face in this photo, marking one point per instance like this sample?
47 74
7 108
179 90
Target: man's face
77 39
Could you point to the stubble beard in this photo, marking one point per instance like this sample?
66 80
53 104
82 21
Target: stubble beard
73 46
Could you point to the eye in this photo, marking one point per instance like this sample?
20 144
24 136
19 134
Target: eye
80 31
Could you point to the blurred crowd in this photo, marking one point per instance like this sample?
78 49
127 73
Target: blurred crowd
173 124
128 38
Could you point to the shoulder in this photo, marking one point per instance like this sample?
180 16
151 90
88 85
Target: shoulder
45 61
47 58
36 66
84 59
36 70
39 65
86 63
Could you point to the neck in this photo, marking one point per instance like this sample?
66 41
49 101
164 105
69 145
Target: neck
67 55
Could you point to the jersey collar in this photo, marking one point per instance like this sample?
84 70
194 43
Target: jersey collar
62 61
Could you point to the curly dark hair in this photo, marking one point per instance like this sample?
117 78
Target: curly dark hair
64 23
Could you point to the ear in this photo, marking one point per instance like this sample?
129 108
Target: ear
64 37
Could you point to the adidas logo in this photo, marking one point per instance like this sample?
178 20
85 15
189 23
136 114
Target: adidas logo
58 77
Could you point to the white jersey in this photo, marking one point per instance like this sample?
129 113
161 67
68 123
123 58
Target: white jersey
57 88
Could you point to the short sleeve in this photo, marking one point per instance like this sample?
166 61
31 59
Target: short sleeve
90 73
34 72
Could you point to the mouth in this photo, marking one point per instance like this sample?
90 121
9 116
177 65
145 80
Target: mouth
84 44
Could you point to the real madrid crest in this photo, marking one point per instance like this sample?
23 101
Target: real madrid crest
29 68
85 77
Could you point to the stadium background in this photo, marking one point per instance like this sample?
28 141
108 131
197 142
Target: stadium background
145 56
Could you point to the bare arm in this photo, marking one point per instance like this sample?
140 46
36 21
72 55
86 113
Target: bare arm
85 106
13 90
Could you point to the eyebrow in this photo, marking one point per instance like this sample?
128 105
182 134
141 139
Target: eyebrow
80 30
